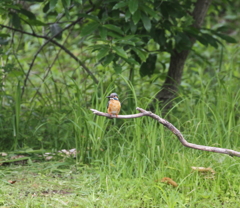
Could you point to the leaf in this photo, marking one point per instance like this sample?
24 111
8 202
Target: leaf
107 60
34 0
120 51
202 40
12 182
148 67
136 17
96 47
105 17
131 61
226 38
87 29
4 35
88 16
133 27
27 13
133 6
78 1
117 68
114 28
211 40
130 37
192 31
15 20
66 3
222 28
146 22
53 4
159 36
56 30
169 181
46 8
36 22
103 52
150 11
119 5
126 42
127 15
103 33
141 54
15 73
114 35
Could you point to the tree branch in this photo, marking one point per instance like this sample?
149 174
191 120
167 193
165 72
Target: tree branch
57 44
173 129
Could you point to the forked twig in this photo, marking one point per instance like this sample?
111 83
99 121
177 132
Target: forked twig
172 129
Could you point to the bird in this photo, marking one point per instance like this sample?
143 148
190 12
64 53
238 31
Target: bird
114 104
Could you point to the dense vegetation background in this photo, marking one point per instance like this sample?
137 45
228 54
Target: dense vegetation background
61 58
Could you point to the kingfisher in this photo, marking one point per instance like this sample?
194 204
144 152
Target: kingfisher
114 104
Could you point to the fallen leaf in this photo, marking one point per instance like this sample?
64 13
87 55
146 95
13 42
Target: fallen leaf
12 182
169 181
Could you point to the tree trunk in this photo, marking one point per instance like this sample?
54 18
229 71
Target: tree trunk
177 60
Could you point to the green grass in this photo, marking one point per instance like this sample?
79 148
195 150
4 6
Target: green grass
122 164
64 184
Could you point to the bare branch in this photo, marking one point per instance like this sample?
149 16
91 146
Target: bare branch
173 129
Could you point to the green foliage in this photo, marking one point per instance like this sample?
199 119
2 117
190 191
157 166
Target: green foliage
127 29
46 93
148 67
106 39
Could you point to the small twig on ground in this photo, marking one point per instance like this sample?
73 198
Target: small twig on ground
172 129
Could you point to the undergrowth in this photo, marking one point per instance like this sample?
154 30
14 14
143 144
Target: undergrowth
121 163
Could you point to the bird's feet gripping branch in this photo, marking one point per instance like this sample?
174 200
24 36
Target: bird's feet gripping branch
114 104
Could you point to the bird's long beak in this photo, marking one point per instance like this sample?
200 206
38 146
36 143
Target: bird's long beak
108 96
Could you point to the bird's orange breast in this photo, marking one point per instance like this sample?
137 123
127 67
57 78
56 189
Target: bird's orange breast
114 107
